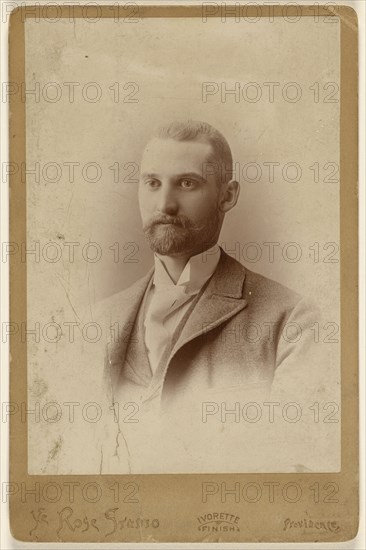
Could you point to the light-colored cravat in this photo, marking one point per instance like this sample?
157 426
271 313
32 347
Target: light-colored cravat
168 302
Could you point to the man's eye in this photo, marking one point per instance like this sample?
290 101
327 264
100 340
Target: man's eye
187 183
152 183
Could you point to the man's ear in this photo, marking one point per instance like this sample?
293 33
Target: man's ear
229 196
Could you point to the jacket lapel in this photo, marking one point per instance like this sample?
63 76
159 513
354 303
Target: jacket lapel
123 316
221 300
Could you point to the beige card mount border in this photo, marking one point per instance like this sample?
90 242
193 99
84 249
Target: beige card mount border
167 508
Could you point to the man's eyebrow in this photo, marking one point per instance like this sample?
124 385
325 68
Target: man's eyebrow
151 175
194 175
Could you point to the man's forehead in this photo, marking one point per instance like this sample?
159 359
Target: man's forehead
168 150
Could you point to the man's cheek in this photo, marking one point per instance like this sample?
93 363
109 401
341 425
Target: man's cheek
194 206
146 211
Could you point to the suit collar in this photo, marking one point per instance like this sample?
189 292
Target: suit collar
228 279
220 300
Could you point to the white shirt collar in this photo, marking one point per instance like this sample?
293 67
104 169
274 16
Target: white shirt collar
196 272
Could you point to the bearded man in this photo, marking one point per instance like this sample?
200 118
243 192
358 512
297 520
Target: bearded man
185 330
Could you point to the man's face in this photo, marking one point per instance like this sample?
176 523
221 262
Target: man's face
178 202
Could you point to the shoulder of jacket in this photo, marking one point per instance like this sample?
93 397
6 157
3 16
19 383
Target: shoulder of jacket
258 286
107 306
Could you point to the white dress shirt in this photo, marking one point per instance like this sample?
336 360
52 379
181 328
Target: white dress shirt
167 302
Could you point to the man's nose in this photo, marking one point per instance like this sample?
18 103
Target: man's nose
167 200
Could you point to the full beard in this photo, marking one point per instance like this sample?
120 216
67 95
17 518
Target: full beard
173 235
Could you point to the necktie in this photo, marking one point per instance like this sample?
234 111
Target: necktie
165 301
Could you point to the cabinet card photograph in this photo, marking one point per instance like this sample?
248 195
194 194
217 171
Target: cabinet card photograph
183 251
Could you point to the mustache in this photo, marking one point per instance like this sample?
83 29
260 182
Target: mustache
161 219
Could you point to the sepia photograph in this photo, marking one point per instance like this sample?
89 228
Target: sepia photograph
183 210
179 237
